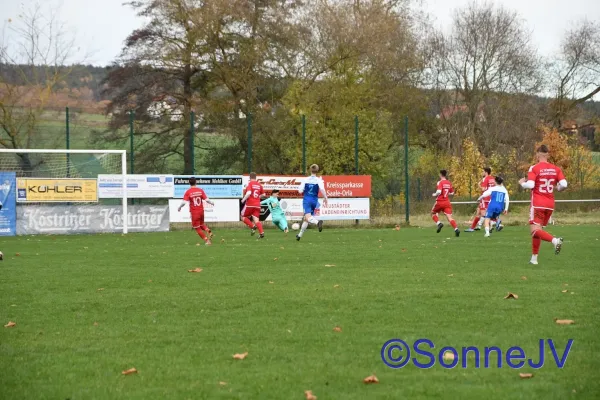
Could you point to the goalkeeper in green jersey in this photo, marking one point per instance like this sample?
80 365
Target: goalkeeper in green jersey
277 213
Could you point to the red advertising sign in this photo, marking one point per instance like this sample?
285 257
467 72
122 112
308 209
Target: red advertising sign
335 185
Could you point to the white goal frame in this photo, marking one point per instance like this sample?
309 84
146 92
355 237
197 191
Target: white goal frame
123 154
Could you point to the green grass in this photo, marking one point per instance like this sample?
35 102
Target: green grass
181 329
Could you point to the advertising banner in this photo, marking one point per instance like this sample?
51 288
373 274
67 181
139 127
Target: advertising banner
44 190
68 220
138 186
335 185
8 212
216 187
224 210
337 209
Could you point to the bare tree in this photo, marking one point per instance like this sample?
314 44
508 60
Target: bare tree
488 52
34 53
576 72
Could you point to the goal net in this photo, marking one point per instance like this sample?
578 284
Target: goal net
57 190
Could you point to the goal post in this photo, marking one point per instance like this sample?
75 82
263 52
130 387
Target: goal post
62 165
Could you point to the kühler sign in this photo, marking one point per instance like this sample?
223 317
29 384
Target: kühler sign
68 220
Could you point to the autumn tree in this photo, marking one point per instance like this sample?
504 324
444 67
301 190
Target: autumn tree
33 63
575 73
466 169
487 57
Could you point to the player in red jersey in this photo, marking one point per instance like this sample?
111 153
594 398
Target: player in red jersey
195 197
542 178
442 203
252 198
486 183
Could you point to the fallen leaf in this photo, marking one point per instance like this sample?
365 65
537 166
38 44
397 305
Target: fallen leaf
524 278
525 376
511 296
100 289
337 329
149 280
565 284
17 254
282 248
10 324
271 282
330 265
449 356
195 270
240 356
371 379
197 244
275 259
309 395
335 286
130 371
564 321
222 383
403 250
451 275
565 291
95 324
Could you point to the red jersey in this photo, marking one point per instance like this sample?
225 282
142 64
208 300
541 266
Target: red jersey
545 176
256 190
486 183
446 189
194 196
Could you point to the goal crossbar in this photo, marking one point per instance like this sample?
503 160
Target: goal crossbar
123 154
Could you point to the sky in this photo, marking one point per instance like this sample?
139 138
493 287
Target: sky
101 26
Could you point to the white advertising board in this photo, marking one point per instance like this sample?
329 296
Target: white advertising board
224 210
138 186
336 209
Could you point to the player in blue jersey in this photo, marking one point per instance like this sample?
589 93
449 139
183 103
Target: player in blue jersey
498 203
310 188
277 214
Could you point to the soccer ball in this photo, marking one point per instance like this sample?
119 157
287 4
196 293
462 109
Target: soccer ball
295 226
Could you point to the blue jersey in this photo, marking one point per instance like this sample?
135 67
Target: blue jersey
498 198
310 188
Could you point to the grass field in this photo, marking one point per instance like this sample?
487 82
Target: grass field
89 307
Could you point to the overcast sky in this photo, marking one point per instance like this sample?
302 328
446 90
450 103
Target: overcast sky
101 26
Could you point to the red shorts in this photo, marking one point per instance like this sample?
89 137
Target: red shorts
251 212
445 208
539 216
197 220
483 205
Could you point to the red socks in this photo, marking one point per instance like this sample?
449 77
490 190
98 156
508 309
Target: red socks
248 222
205 228
260 228
201 234
435 218
545 236
535 245
453 223
475 221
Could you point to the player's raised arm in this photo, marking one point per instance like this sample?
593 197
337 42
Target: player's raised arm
529 183
487 193
186 199
248 194
323 191
562 182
